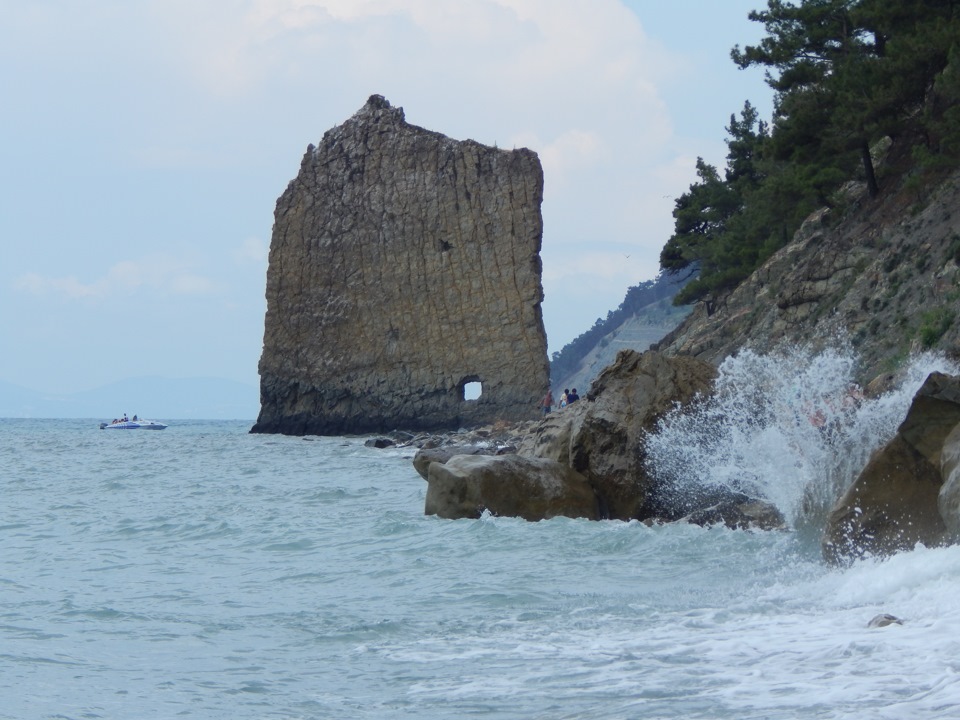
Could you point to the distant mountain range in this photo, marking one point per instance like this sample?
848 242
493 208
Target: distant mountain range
156 398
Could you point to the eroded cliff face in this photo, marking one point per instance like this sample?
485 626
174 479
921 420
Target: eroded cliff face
403 265
883 276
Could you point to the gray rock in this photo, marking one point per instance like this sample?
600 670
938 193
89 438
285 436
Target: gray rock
379 443
427 455
530 488
882 272
948 500
740 514
893 503
403 266
884 619
601 435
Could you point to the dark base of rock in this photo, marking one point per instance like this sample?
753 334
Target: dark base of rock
312 425
380 443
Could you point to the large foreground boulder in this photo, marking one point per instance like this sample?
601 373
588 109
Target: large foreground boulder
531 488
601 436
894 503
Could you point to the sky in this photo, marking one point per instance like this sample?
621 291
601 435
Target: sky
143 145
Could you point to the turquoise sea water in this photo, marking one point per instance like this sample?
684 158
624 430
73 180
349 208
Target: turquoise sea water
202 572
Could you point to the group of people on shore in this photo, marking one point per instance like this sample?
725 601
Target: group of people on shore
568 398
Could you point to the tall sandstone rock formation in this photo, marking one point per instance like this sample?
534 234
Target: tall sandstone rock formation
403 266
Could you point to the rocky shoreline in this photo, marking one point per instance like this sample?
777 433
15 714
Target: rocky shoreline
586 461
583 461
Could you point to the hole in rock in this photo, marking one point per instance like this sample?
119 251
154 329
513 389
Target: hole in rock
472 390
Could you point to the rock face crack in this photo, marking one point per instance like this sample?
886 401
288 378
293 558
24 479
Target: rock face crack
403 264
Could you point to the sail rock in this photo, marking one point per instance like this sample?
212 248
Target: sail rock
403 266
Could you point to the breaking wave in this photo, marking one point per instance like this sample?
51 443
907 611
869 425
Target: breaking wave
791 427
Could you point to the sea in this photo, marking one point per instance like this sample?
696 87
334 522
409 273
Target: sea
204 572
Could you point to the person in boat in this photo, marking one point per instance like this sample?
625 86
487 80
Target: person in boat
134 418
125 418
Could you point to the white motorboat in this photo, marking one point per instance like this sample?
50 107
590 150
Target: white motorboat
138 424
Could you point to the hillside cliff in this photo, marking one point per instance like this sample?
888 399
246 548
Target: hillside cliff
637 331
882 274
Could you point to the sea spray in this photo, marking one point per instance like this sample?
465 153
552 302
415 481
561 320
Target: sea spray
791 427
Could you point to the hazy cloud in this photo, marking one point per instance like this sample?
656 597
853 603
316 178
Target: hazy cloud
125 278
252 250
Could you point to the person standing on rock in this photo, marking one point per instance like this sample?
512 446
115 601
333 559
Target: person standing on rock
547 402
563 398
572 397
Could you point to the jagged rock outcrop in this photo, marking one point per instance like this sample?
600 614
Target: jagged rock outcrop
403 266
893 504
882 272
597 442
601 435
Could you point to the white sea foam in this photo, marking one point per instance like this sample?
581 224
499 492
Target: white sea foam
207 573
789 427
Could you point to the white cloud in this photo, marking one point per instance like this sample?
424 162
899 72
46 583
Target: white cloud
186 119
576 82
122 279
70 286
571 151
252 250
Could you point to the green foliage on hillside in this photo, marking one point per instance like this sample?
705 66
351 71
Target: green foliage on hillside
846 74
566 361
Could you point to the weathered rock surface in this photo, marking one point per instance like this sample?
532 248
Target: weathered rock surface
885 275
883 620
403 265
553 437
893 504
426 456
948 500
601 435
530 488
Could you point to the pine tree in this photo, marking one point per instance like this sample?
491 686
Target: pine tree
846 73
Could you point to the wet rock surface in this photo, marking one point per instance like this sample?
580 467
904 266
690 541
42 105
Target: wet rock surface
599 438
894 503
601 435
